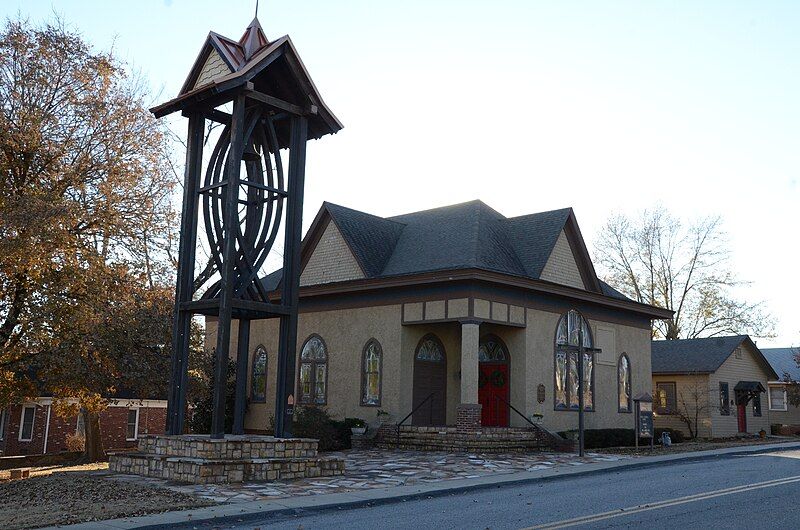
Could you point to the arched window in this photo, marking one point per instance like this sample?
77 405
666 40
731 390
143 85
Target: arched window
624 383
430 350
258 384
371 366
570 327
492 350
314 371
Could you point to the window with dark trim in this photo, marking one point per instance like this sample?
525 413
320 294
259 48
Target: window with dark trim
569 328
26 423
757 405
314 371
258 383
624 383
724 399
371 368
2 424
666 400
132 426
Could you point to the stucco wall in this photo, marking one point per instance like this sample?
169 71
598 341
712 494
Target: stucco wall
540 341
531 349
345 332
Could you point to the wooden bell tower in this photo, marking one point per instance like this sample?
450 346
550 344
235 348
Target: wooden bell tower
262 96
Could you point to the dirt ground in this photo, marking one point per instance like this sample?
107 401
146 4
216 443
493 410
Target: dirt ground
74 494
688 446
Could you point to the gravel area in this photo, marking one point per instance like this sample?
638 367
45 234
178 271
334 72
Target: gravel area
54 498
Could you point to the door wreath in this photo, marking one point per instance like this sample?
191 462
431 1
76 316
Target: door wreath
498 379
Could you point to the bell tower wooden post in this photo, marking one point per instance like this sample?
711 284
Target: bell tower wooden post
275 108
181 333
287 353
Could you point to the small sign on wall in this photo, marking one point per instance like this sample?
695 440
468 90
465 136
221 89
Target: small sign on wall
540 393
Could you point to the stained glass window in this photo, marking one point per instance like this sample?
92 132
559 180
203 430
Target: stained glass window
624 383
492 351
570 328
314 371
430 350
258 385
371 392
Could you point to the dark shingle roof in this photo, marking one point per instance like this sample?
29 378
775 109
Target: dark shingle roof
462 236
699 355
783 362
693 355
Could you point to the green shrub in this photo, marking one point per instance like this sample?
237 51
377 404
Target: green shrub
315 422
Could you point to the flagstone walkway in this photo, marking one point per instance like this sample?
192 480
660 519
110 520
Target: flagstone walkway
381 469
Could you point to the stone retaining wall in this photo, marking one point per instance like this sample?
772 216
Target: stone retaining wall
454 439
202 460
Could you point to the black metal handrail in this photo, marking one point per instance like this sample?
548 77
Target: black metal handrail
413 411
512 407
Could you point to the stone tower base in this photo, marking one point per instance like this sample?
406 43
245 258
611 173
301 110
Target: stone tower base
201 460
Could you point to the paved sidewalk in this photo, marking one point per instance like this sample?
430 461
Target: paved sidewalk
237 510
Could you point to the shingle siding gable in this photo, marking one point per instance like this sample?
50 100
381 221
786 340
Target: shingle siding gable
331 261
561 266
214 67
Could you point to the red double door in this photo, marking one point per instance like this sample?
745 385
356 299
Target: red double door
493 394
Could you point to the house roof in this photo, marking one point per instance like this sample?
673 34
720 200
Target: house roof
701 356
468 235
783 362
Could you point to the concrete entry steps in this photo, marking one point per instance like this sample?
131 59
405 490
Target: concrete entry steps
201 460
487 440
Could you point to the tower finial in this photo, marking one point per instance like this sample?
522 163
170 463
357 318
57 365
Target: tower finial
256 8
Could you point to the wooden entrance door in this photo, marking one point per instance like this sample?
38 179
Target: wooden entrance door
493 382
430 383
492 391
741 416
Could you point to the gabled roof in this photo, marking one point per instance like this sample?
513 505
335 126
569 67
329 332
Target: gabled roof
464 236
783 362
698 356
274 68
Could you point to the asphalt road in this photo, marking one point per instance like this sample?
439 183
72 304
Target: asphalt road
753 491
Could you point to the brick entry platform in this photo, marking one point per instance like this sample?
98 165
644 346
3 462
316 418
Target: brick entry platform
199 459
485 439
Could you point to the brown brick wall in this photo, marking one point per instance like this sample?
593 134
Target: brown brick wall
113 425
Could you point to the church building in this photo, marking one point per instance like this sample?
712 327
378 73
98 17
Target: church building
459 314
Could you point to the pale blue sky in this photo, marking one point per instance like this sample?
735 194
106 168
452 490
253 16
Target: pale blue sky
529 106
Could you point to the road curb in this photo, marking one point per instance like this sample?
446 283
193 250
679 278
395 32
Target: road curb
367 498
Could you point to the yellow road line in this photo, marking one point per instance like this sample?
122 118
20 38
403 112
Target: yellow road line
622 512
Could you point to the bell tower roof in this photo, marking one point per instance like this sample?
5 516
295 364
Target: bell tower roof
253 39
258 65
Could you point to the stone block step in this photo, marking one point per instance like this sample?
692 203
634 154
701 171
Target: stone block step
208 471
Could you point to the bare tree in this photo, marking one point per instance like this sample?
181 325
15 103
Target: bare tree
656 259
693 402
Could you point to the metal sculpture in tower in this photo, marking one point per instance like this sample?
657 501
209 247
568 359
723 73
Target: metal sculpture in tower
261 95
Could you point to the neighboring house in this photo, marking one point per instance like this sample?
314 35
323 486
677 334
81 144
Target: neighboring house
34 428
458 309
716 382
784 363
